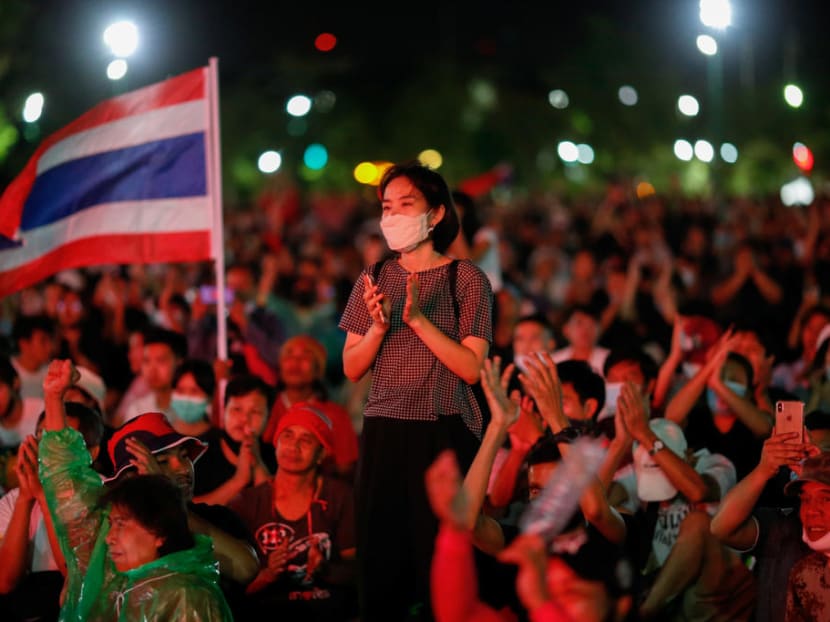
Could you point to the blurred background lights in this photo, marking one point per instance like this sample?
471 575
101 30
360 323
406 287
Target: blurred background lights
558 99
483 93
298 105
627 95
688 105
316 156
121 38
803 157
431 158
793 95
585 153
370 173
117 69
325 42
797 192
729 153
683 150
704 150
269 162
715 13
707 45
33 107
568 151
644 189
324 101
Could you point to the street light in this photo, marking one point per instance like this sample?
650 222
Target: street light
117 69
716 13
793 95
707 45
688 105
33 107
122 38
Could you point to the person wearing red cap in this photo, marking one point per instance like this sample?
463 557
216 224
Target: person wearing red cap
302 366
303 523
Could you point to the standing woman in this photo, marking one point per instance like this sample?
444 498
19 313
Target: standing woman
424 350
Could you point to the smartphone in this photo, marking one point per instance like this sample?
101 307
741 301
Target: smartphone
207 294
789 417
371 280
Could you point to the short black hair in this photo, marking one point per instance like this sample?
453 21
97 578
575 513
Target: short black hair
175 341
157 504
243 384
817 420
8 374
587 309
436 192
644 360
202 373
586 382
26 325
545 450
90 422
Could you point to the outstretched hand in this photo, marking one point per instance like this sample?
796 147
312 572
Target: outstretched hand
541 382
503 410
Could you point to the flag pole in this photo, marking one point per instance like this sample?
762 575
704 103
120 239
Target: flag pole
217 235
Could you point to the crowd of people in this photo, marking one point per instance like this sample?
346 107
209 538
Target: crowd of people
405 393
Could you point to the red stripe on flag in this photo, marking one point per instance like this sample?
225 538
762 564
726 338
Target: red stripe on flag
187 87
106 249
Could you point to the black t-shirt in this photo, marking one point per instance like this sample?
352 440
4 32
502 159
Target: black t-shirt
212 469
739 444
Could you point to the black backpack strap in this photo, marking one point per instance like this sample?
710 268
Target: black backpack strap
376 268
452 276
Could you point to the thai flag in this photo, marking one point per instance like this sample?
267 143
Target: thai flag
127 182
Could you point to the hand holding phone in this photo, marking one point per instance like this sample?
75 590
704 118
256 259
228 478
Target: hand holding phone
371 281
789 418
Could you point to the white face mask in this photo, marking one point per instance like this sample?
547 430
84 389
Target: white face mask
403 233
690 369
612 394
822 545
652 483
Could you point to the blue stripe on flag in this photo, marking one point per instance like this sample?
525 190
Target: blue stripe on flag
173 167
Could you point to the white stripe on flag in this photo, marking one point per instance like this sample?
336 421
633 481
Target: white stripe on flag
167 122
135 217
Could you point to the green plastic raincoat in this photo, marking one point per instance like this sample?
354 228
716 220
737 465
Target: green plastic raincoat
180 586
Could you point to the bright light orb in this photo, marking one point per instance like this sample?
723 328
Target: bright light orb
298 105
316 157
729 153
558 99
269 162
365 172
683 150
568 151
688 105
704 151
121 38
431 158
117 69
797 192
793 95
628 95
707 45
585 154
33 107
716 13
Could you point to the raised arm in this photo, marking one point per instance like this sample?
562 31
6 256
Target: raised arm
733 524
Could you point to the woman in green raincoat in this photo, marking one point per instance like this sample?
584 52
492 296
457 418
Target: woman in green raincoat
129 553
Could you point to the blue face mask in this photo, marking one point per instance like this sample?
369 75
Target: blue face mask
714 402
189 409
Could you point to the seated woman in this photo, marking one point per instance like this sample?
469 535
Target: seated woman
143 563
194 386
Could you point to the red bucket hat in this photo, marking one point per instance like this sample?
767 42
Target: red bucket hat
154 430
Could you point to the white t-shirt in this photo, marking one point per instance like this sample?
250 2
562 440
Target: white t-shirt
12 437
671 513
40 550
31 383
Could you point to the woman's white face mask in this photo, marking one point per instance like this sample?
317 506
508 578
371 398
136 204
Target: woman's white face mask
403 233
